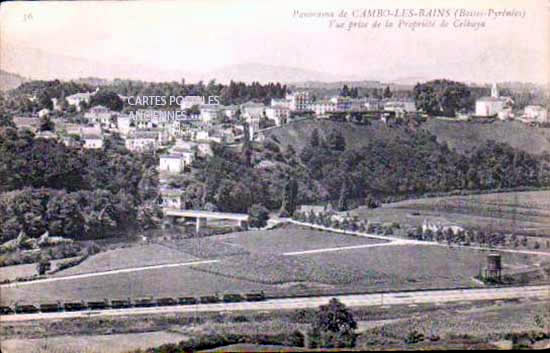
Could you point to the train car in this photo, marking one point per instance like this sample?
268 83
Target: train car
75 306
26 309
99 305
50 307
232 298
144 302
255 297
120 303
166 301
209 299
6 310
187 300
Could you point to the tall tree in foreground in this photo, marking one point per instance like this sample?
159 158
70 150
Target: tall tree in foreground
290 196
258 216
333 327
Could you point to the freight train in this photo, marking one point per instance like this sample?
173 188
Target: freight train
129 303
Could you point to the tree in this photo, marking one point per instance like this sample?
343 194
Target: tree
107 99
343 199
43 266
6 121
258 215
315 139
336 141
46 124
333 327
443 97
387 92
290 197
345 92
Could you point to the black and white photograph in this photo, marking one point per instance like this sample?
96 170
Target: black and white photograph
274 176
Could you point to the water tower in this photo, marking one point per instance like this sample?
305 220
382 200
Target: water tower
494 267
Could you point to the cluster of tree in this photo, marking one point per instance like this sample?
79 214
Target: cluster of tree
326 169
443 97
230 181
459 236
349 92
232 93
45 186
107 99
41 92
359 90
416 165
352 224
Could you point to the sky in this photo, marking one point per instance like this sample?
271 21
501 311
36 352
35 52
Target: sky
191 37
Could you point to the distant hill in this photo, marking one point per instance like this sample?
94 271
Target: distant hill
462 136
9 81
94 81
351 83
49 66
269 73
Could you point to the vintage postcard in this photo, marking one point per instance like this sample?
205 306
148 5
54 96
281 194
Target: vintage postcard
242 176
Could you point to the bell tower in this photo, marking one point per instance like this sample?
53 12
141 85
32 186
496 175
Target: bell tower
494 91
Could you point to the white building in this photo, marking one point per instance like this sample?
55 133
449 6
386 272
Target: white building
140 141
251 108
171 198
92 141
299 101
48 135
342 104
176 163
190 101
28 123
77 98
372 104
253 125
400 106
280 102
124 124
322 107
230 111
278 114
202 135
43 112
493 105
99 114
210 112
535 113
184 145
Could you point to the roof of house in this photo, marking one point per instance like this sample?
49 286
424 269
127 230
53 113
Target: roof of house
491 99
25 121
144 134
92 137
178 155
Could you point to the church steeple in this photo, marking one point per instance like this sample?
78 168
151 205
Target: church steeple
494 91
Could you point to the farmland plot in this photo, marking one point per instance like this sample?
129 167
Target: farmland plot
521 212
121 258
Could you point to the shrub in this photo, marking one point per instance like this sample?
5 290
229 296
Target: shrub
414 337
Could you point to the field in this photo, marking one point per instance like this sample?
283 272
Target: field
121 258
298 134
525 213
461 136
256 260
26 270
369 269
